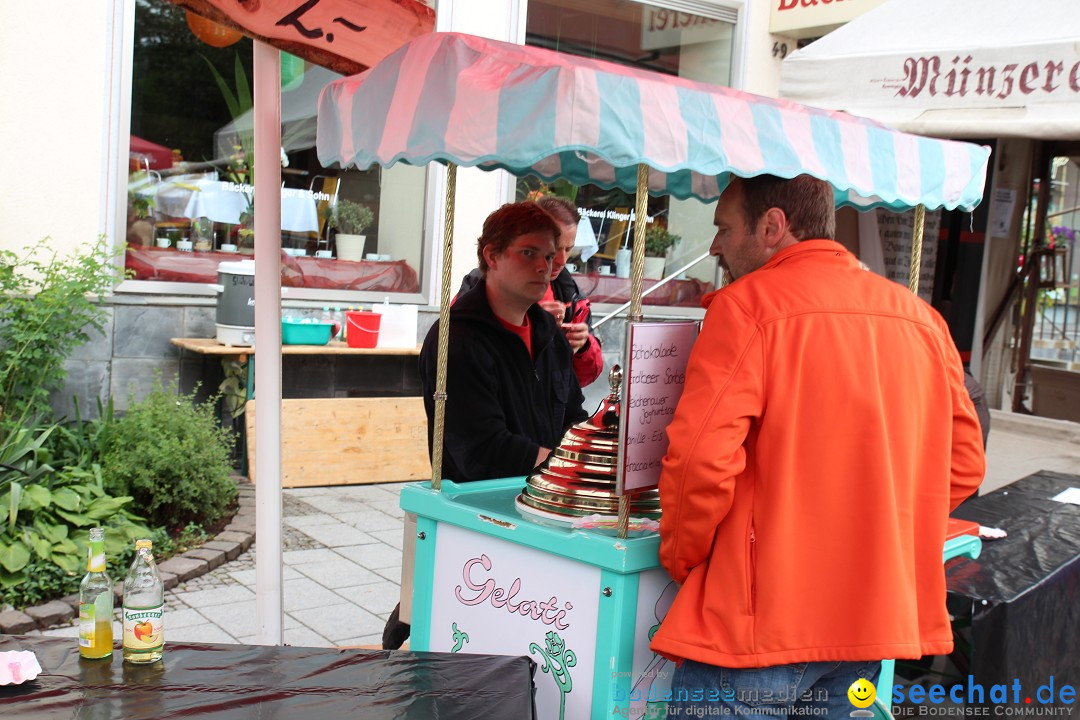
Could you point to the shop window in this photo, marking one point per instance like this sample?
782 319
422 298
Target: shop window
190 171
652 37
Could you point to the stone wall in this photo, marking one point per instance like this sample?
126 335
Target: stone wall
134 348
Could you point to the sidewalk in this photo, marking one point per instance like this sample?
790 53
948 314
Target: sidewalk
342 557
342 552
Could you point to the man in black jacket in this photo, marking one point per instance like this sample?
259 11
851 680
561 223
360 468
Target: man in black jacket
565 301
511 388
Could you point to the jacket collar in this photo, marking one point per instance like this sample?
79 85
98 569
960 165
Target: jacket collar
473 306
802 249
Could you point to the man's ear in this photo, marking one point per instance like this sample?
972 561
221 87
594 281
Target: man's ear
775 225
489 256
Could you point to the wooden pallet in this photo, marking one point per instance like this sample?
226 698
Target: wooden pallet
348 441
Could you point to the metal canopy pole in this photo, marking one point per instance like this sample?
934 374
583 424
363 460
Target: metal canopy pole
637 273
444 331
916 248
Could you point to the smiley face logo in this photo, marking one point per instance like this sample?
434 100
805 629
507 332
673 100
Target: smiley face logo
861 693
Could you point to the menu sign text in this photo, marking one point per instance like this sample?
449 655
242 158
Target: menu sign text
653 379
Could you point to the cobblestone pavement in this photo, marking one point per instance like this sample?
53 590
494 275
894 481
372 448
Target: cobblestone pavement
341 548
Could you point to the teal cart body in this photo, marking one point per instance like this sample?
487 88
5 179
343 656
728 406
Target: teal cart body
583 604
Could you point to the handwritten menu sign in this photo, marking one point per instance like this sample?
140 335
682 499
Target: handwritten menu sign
897 232
655 371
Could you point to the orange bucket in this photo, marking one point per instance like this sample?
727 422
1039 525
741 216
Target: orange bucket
362 328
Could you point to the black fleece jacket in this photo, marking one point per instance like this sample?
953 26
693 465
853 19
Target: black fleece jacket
501 406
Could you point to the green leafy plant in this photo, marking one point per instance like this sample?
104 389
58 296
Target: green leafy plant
352 218
46 581
172 456
47 513
49 304
658 240
82 443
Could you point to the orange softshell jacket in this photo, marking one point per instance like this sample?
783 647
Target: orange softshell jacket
823 436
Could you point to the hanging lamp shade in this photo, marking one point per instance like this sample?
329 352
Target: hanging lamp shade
212 33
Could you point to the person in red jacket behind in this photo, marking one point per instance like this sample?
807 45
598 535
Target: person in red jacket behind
823 436
564 299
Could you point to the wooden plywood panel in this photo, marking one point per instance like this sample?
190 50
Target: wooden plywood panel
348 441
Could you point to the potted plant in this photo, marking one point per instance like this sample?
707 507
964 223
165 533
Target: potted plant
658 240
351 219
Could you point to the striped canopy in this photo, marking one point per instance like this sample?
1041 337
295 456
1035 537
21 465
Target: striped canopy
449 97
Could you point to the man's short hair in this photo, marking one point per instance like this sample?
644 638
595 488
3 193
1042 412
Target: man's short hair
564 211
512 221
806 201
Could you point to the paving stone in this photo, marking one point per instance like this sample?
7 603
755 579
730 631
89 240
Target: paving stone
339 622
184 568
236 618
168 579
245 526
50 613
232 550
339 534
13 622
213 558
245 539
203 599
73 601
338 573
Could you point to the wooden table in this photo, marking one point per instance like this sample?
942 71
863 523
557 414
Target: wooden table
210 346
335 441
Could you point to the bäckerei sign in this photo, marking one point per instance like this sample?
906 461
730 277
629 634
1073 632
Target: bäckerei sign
814 18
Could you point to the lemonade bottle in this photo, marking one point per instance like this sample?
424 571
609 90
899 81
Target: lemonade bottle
95 602
144 608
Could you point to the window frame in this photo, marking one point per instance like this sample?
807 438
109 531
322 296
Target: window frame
121 77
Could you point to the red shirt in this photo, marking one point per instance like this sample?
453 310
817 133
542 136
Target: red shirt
522 331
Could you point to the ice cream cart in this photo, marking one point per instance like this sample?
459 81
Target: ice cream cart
499 567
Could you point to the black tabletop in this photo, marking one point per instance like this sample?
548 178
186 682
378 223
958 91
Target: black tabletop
1021 593
249 681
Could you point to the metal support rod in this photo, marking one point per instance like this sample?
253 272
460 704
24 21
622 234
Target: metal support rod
651 289
637 273
916 248
444 330
1031 290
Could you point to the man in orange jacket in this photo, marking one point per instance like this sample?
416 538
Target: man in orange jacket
823 436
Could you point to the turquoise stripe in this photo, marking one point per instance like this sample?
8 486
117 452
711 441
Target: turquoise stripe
427 136
778 156
376 90
526 125
882 162
704 132
826 134
622 138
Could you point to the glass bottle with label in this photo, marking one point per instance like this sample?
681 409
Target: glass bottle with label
95 602
144 608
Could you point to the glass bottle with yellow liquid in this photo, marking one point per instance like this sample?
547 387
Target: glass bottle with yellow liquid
144 608
96 602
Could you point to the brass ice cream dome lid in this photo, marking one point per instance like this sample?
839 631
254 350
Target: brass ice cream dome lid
578 478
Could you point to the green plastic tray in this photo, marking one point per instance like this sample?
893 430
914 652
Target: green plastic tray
295 333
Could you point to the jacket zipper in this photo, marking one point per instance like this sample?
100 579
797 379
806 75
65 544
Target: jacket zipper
753 570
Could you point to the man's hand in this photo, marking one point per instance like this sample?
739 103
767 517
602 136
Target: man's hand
556 308
577 334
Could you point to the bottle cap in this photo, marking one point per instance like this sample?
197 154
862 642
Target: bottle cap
140 544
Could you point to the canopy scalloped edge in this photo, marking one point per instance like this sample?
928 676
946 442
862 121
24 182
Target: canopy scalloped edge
454 98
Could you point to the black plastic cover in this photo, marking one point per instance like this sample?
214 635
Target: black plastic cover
1023 592
266 682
